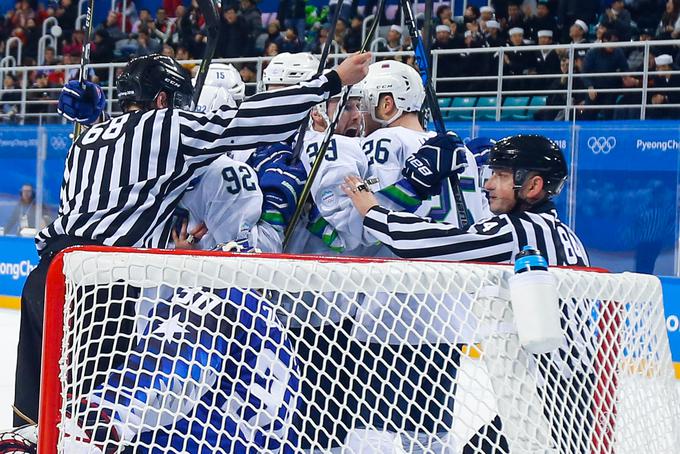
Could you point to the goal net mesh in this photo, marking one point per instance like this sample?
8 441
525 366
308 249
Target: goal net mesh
188 353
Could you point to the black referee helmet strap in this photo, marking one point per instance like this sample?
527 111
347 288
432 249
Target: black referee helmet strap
525 153
144 77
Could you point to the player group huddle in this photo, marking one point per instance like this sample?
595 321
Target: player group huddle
249 196
245 200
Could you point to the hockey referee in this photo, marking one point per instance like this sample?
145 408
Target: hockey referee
526 172
125 176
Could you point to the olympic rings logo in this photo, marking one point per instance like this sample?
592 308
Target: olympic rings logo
58 143
602 145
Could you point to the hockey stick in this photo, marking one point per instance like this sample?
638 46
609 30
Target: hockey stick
84 57
326 140
431 98
212 25
300 137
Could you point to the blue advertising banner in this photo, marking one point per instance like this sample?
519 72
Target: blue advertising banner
17 258
671 299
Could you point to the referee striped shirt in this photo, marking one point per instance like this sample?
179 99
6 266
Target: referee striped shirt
497 240
124 177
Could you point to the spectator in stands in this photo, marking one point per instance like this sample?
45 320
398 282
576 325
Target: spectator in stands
146 44
472 64
183 54
558 97
353 37
31 36
182 31
249 76
493 34
603 60
253 18
289 41
514 19
112 27
142 22
658 96
233 33
317 43
39 98
162 27
101 51
23 12
636 55
274 32
9 99
393 40
569 11
23 215
546 61
542 20
340 33
578 32
291 13
444 15
447 64
74 46
669 27
272 50
486 13
516 62
471 13
617 18
168 50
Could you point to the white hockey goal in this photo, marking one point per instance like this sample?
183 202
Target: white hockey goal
143 353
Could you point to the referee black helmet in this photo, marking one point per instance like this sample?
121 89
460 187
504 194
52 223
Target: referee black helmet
145 77
529 154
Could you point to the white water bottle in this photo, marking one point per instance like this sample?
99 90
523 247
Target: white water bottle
533 295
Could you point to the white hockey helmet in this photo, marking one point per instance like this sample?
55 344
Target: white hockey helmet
399 80
223 85
289 69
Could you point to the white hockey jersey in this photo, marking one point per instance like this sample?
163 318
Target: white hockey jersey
228 199
335 225
387 150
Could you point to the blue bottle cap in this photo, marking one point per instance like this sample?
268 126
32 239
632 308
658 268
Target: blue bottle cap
529 259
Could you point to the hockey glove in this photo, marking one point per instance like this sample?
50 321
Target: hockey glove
480 148
266 156
281 186
438 158
84 106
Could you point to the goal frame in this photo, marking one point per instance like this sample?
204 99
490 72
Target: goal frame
55 298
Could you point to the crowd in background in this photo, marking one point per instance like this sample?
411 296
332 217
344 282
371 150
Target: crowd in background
178 29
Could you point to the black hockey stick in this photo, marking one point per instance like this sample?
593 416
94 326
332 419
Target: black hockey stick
431 98
300 137
84 57
212 26
326 140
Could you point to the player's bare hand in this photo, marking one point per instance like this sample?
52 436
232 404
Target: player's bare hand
187 240
354 68
359 193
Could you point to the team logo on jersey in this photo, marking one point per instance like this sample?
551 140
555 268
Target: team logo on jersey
328 197
601 144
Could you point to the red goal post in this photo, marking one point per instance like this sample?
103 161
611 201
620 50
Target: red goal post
610 389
